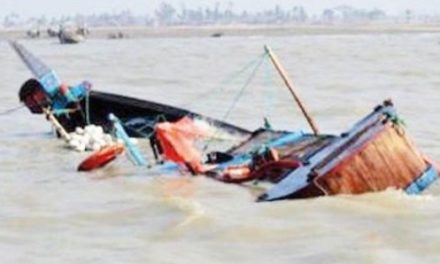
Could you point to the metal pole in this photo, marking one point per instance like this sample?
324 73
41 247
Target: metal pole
290 86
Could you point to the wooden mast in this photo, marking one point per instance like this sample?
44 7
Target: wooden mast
290 86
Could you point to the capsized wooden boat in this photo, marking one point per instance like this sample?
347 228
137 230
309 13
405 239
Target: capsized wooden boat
78 106
375 154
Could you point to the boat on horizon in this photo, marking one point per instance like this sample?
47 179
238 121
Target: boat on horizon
71 34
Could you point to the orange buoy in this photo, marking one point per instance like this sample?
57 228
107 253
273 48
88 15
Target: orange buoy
101 157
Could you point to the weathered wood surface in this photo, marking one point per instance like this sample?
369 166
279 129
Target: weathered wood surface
388 160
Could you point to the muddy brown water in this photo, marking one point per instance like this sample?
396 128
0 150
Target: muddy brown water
52 214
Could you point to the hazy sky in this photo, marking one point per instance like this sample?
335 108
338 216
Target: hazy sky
28 8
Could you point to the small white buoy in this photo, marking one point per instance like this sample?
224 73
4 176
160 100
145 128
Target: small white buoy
79 131
89 138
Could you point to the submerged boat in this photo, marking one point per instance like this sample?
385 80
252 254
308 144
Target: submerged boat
77 106
375 154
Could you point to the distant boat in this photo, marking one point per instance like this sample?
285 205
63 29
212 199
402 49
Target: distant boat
70 37
217 35
52 32
117 35
33 33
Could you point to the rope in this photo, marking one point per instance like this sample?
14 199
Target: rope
150 124
206 95
319 186
246 84
395 119
159 118
258 60
9 111
237 98
87 108
258 63
255 64
148 135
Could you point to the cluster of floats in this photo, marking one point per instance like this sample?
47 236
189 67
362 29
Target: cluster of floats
376 153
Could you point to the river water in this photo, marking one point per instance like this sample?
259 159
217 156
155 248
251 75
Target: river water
121 214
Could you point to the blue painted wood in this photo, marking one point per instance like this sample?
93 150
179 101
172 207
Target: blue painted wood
35 65
49 79
246 158
133 150
422 182
50 83
286 139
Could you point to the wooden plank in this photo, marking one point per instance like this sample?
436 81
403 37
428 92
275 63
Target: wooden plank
388 160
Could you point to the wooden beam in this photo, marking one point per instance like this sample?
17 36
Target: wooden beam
290 86
63 133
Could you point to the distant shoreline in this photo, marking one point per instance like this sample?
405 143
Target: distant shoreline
243 30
